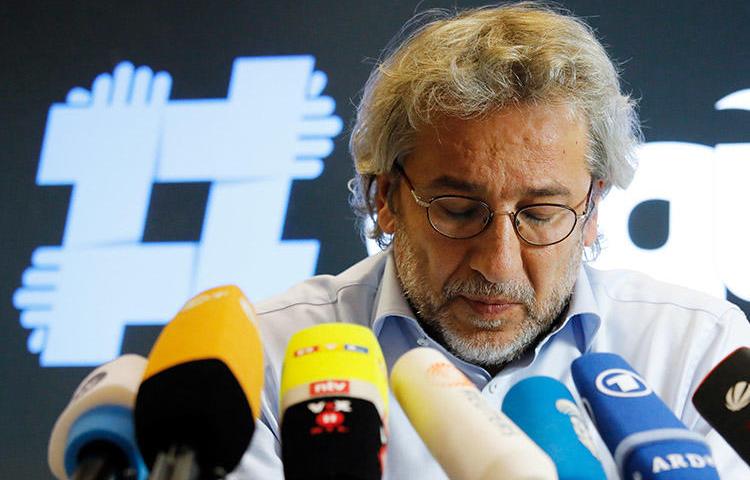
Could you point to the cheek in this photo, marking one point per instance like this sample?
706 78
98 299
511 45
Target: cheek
442 259
546 266
448 262
538 264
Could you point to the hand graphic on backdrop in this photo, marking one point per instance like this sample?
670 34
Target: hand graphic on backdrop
104 142
112 142
77 301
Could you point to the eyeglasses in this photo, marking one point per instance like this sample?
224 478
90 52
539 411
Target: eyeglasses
460 217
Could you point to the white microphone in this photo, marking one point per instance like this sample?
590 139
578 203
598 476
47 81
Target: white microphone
94 437
470 439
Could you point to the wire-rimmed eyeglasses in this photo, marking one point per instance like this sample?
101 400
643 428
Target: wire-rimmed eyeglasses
462 217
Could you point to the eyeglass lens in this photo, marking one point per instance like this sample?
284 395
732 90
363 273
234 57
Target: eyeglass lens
458 217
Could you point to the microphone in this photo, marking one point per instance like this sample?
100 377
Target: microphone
723 398
333 404
646 439
200 395
470 439
93 438
546 411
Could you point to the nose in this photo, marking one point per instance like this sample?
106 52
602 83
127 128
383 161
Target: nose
496 254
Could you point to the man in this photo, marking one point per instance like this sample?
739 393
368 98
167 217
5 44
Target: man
483 145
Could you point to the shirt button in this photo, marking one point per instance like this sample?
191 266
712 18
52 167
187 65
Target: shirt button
422 342
493 387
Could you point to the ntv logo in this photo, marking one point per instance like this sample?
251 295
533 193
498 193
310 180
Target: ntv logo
113 142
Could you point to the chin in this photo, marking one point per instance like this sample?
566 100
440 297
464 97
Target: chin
489 347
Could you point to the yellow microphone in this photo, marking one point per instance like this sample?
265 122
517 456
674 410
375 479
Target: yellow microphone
334 404
200 394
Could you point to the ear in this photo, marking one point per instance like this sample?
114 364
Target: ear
386 216
591 229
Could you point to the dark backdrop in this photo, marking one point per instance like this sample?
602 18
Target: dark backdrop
678 57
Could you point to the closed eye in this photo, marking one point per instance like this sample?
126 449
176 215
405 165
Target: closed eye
541 214
458 208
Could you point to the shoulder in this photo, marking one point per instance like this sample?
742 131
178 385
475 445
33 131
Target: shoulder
653 324
346 297
671 334
630 290
322 290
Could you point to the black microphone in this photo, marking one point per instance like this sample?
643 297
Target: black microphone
333 404
723 399
196 407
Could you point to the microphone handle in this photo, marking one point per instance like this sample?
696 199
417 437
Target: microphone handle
102 460
178 463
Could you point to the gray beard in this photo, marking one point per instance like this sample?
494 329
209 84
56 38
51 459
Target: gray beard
432 311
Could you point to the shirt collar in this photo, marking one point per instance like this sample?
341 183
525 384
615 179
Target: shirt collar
582 318
584 308
390 300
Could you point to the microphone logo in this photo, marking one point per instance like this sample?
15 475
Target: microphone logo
566 407
618 382
306 351
330 416
89 385
444 374
737 397
329 387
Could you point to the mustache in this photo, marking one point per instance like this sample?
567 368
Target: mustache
511 290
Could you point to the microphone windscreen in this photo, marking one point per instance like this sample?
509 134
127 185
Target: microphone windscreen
334 404
470 439
646 439
723 398
545 409
101 408
201 387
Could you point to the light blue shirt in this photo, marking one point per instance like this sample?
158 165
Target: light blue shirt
671 335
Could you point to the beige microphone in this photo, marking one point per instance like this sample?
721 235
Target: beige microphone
100 411
470 439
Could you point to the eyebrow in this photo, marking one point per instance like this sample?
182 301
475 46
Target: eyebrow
454 183
554 189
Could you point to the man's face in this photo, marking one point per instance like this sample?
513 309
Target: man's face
489 297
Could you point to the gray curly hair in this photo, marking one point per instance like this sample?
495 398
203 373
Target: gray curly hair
468 63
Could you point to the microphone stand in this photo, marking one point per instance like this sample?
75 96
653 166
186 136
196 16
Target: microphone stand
101 460
176 464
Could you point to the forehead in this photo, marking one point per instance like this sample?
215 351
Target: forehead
515 148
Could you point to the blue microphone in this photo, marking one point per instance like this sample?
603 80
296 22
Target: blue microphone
547 412
646 439
94 437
